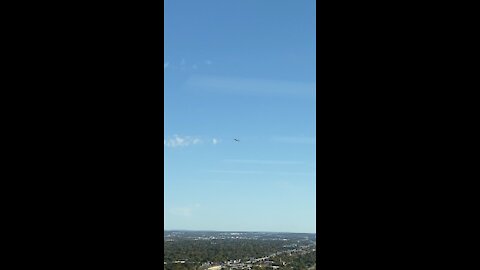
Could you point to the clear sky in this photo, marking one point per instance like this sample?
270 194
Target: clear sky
240 69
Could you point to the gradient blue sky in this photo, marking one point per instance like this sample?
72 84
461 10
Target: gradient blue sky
240 69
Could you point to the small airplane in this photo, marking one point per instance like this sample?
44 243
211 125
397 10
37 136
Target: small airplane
236 140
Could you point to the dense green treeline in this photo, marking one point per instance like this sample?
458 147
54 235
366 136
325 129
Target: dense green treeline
178 266
220 250
304 261
296 261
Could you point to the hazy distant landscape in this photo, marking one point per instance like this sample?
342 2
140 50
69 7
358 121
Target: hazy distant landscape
239 250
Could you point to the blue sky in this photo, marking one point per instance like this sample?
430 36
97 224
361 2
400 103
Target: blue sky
240 69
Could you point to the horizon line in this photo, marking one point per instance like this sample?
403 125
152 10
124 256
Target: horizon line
235 231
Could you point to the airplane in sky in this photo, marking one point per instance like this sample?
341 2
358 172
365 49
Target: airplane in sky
236 140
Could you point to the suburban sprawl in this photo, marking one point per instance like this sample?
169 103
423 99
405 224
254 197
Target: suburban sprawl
239 250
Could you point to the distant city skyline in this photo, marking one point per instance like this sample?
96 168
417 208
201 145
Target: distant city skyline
241 70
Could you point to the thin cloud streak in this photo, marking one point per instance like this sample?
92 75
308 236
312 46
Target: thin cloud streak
245 86
258 172
183 65
263 162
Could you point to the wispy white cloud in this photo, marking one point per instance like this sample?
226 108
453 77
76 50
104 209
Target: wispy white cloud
181 211
245 86
184 211
184 141
183 65
179 141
